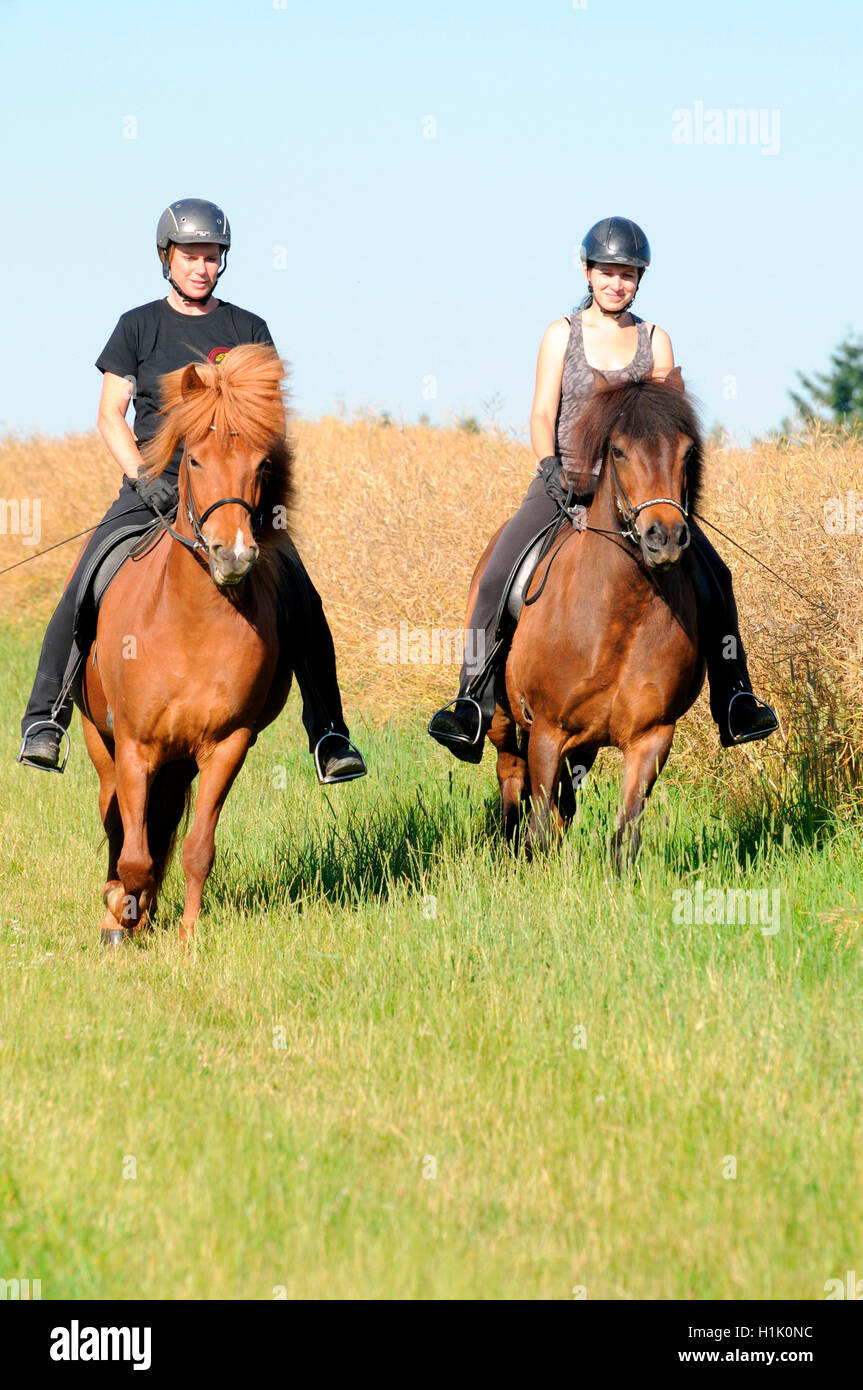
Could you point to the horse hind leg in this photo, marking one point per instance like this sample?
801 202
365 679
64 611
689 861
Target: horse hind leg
512 773
168 802
576 766
217 777
644 759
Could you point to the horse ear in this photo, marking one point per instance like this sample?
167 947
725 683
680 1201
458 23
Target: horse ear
601 383
190 381
674 379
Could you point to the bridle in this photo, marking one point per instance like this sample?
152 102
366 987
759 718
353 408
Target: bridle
197 519
575 514
629 514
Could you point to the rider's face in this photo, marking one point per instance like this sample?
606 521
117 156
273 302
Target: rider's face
195 268
613 285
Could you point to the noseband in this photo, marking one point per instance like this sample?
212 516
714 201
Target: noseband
629 514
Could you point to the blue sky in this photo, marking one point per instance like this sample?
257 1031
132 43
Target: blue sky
417 274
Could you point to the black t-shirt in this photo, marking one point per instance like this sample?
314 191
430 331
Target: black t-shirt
155 339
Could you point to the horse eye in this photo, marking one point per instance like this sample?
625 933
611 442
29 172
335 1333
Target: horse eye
194 462
616 453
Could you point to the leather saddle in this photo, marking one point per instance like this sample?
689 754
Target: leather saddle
103 566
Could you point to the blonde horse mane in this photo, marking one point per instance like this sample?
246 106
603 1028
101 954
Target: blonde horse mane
241 396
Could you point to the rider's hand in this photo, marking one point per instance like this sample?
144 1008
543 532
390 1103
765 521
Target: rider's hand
552 474
158 492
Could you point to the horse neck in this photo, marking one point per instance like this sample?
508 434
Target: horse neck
186 574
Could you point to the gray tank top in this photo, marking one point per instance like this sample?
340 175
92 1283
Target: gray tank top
577 386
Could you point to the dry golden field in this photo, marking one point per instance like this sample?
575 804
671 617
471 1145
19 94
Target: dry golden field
391 519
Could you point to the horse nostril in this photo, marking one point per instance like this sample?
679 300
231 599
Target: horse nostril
681 535
656 536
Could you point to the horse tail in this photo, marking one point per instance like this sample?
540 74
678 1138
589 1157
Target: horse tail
168 811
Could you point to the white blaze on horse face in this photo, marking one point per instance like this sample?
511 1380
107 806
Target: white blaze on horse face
239 543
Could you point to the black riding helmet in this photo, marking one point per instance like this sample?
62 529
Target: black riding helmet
189 220
616 241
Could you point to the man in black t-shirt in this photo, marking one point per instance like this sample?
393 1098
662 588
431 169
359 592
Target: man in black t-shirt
192 238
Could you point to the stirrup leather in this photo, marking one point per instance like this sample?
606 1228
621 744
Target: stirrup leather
45 724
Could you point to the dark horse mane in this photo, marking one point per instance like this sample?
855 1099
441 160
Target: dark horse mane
643 409
242 396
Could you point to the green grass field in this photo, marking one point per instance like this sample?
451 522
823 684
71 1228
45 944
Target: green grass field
398 1062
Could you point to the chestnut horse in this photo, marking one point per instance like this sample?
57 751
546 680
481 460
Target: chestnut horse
184 670
608 655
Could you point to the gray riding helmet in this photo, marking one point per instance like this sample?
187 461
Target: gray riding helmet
616 241
189 220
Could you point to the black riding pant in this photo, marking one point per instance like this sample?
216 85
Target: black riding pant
312 655
718 627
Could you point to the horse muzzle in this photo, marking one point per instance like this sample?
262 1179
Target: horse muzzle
662 546
229 565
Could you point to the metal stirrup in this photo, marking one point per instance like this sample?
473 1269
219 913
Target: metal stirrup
459 738
345 777
45 724
758 733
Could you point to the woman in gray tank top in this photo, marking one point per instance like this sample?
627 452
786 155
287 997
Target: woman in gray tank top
602 334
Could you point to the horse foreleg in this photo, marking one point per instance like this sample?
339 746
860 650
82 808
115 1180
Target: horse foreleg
644 759
511 771
199 847
112 931
545 749
134 896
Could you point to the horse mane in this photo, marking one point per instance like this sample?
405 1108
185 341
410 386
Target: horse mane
642 409
242 396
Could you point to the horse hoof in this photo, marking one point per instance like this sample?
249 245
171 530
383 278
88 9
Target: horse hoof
115 936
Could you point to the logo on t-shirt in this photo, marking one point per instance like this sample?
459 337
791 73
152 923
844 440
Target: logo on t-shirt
218 355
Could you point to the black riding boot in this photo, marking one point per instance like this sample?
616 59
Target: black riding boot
739 715
308 644
461 726
45 722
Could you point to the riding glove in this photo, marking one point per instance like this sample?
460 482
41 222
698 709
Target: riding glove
158 492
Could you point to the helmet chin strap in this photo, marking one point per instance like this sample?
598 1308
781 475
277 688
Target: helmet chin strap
188 298
614 313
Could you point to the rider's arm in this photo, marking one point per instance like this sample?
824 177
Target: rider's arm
549 374
111 422
663 355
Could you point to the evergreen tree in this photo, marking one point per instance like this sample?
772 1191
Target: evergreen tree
839 391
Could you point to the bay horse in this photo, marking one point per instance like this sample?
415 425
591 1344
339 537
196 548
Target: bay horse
608 655
185 669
